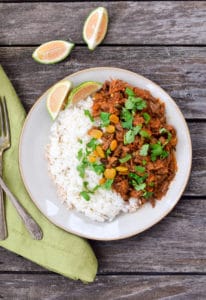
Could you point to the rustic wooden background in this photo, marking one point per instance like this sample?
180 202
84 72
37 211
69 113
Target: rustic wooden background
166 42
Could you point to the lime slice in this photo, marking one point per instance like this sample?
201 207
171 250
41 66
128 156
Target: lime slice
83 90
57 96
95 27
52 52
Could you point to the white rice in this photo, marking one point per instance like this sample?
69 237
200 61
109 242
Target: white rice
72 125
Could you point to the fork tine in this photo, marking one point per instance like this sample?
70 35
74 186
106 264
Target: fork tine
1 118
6 119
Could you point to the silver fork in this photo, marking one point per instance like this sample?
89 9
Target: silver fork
4 145
5 142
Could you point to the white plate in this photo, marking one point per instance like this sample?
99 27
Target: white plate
41 189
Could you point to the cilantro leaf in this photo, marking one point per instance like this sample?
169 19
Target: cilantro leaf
139 169
98 168
104 116
144 162
85 195
88 114
156 150
129 92
146 117
136 129
108 184
135 103
126 158
129 137
138 179
108 152
147 195
144 134
169 135
127 117
92 144
140 104
144 150
79 154
139 187
164 154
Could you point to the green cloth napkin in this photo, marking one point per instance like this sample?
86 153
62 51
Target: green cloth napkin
58 251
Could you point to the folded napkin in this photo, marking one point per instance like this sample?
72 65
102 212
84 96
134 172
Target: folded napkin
58 251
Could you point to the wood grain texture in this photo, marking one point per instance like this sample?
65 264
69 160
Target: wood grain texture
159 22
176 244
136 287
181 71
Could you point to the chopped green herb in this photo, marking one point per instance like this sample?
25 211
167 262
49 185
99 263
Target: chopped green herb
129 137
135 103
95 188
88 114
107 185
127 118
126 158
151 184
97 168
79 141
136 129
129 92
146 117
85 195
169 135
164 154
140 104
80 154
108 152
104 116
147 195
92 144
144 150
85 184
138 179
156 150
139 169
144 134
139 187
144 162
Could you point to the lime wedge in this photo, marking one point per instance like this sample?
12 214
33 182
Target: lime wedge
52 52
57 96
95 27
83 90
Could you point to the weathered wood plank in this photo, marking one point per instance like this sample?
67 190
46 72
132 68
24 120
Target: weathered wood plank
181 71
176 244
159 22
21 286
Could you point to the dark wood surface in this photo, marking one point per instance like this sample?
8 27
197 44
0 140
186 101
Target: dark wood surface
164 41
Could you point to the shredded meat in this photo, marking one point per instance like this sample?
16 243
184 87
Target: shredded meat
156 173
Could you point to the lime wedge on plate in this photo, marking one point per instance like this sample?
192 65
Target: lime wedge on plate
83 90
57 96
95 27
52 52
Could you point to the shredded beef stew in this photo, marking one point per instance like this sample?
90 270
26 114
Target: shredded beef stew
138 145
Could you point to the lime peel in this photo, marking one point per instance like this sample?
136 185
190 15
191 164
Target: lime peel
52 52
57 96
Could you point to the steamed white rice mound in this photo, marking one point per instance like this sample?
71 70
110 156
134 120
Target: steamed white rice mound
71 126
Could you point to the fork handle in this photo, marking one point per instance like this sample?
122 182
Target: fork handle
32 227
3 227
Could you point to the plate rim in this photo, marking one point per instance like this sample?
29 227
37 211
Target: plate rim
136 232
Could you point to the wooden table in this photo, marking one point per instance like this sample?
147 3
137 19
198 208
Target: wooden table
166 42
